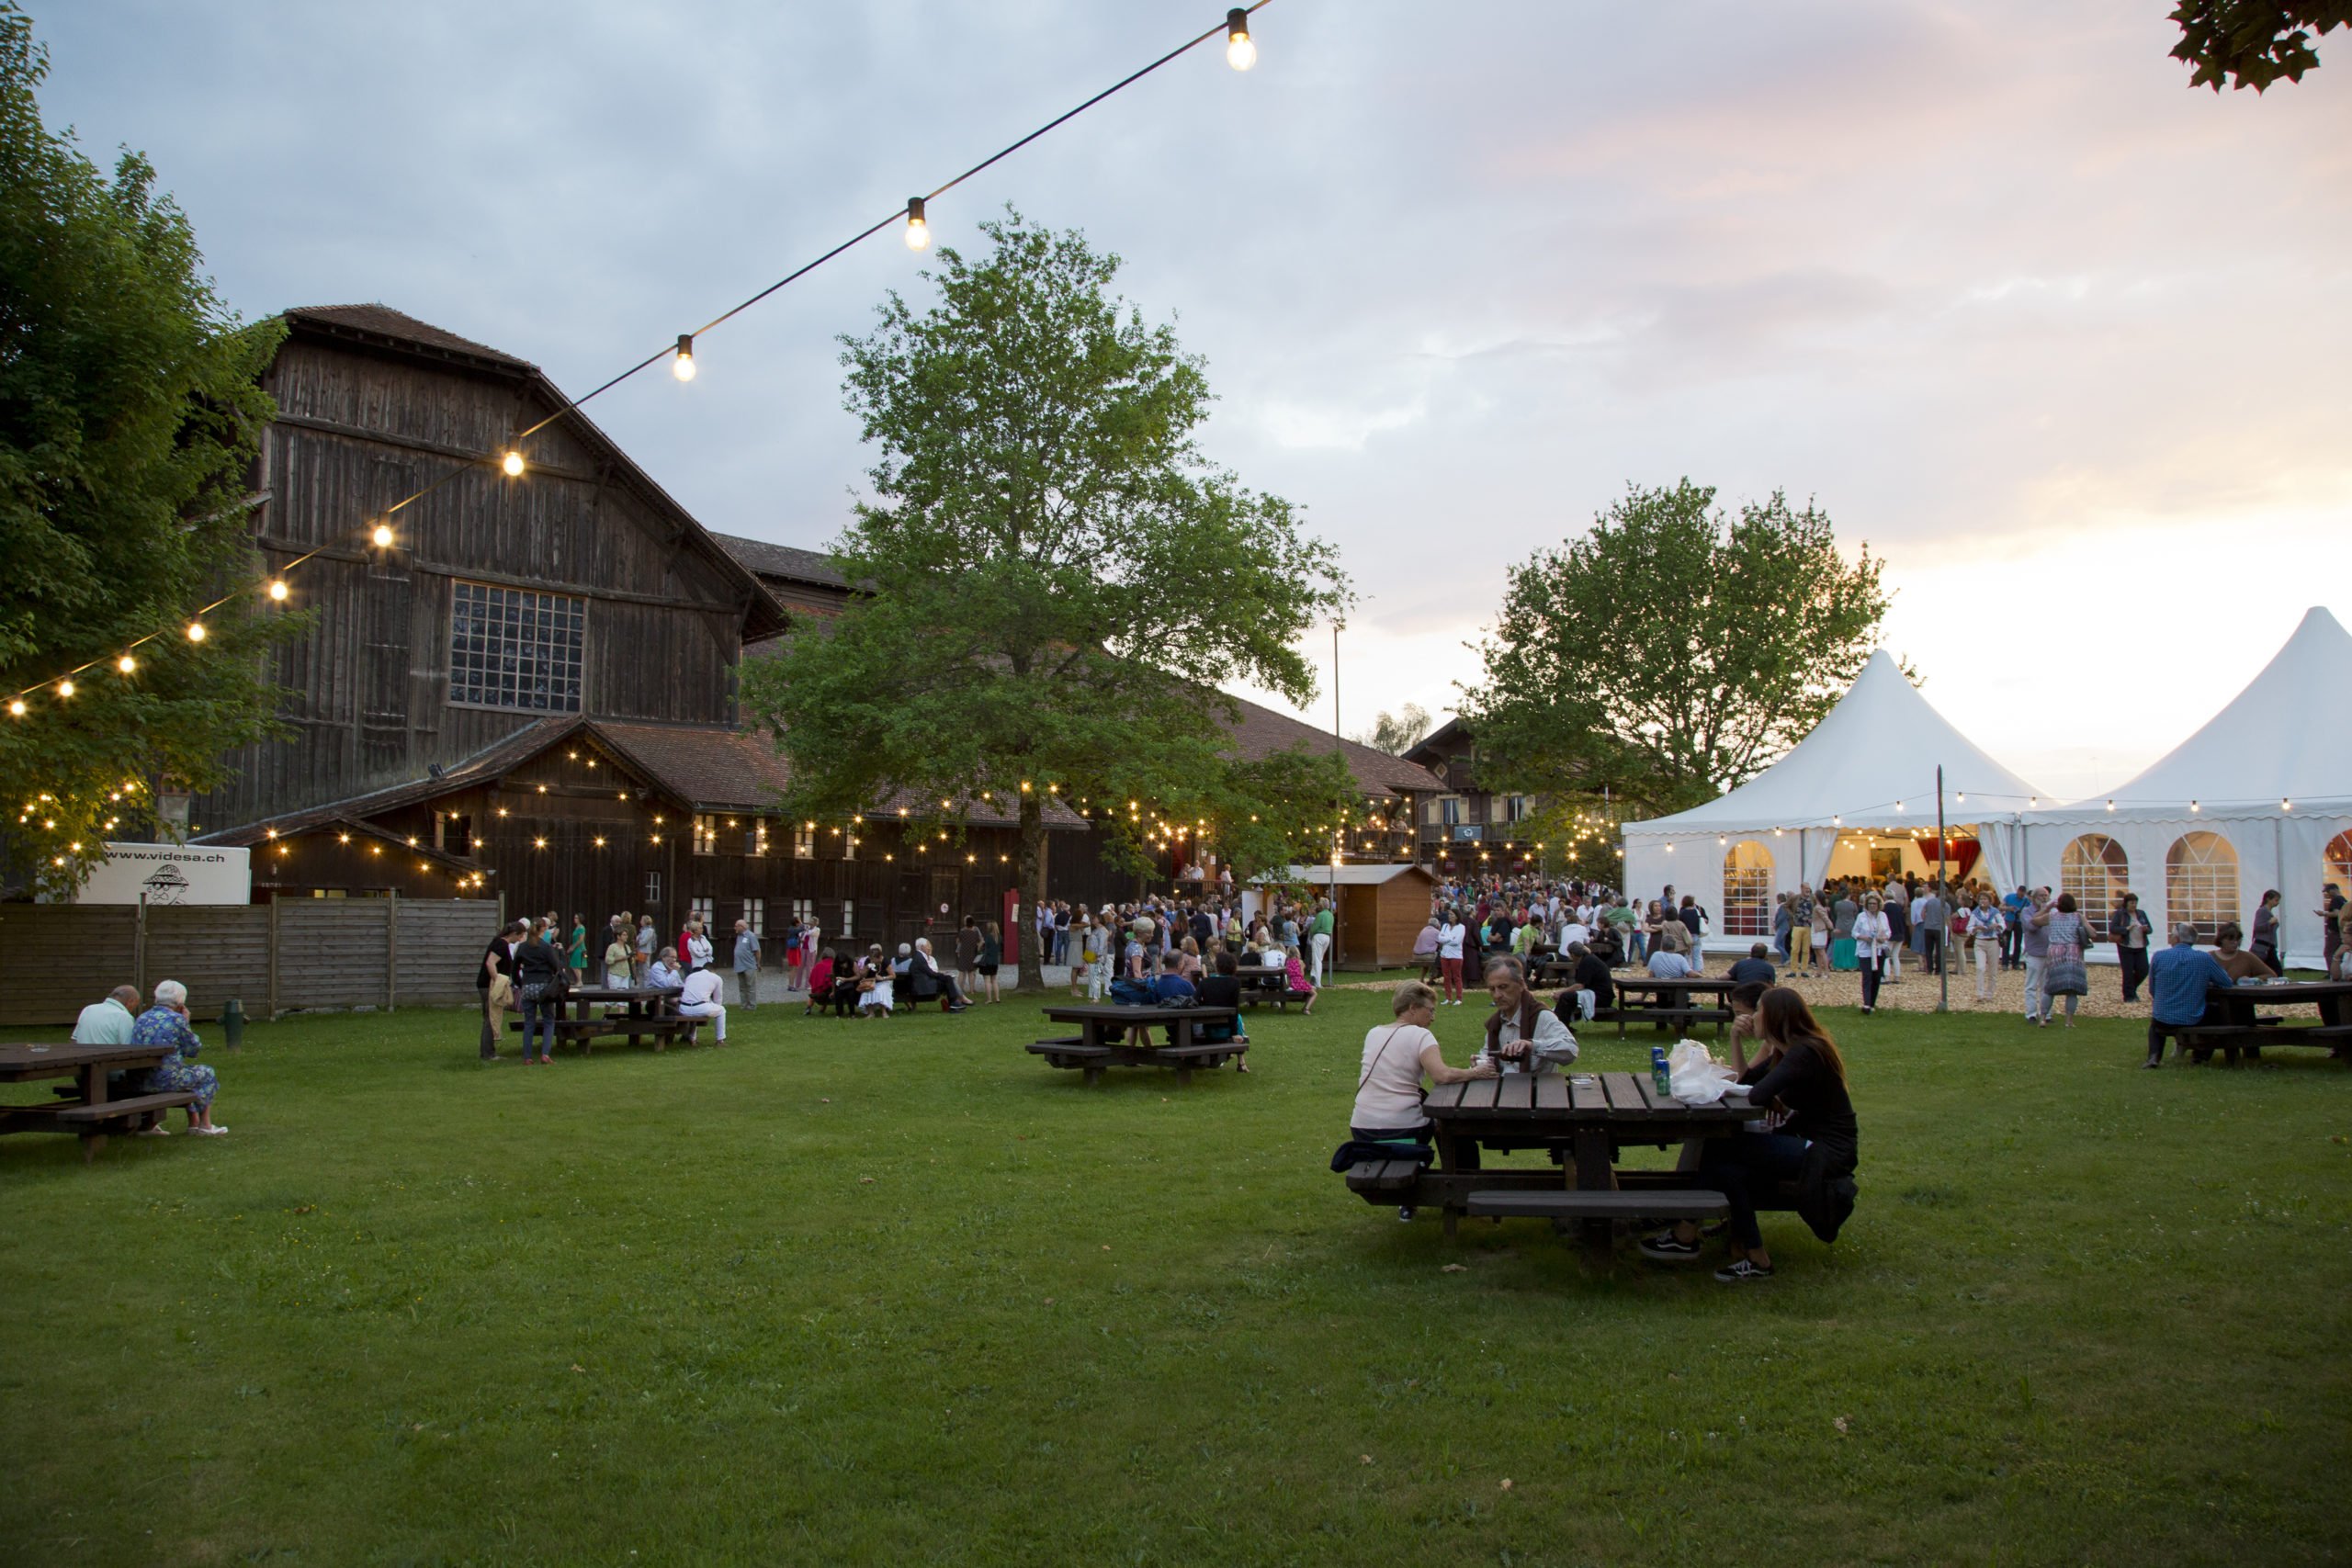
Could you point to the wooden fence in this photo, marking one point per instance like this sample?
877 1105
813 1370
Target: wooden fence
275 958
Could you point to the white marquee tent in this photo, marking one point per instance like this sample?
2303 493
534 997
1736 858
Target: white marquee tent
2260 798
1858 793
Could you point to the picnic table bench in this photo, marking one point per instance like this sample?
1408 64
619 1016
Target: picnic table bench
1102 1041
2238 1027
87 1110
1669 1004
647 1016
1260 984
1586 1120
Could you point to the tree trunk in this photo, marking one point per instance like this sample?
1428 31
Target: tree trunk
1033 893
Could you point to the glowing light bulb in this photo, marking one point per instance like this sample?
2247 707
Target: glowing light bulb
196 631
65 688
1241 49
512 463
16 707
277 589
683 366
382 535
918 227
126 664
2111 805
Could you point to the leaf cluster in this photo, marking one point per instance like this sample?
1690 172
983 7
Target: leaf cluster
1672 652
130 414
2250 43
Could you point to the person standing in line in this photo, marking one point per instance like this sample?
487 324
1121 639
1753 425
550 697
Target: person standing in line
1873 939
1987 929
747 967
576 955
645 939
2129 929
2266 931
2033 947
1801 956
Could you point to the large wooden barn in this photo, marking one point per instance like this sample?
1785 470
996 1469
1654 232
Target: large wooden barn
531 694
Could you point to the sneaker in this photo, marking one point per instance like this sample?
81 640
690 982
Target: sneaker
1663 1247
2153 1062
1742 1270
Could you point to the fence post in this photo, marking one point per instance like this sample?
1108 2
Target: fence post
391 949
138 946
273 958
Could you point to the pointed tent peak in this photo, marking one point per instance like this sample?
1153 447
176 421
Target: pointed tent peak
2273 741
1880 746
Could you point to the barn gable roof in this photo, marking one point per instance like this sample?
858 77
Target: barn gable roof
384 330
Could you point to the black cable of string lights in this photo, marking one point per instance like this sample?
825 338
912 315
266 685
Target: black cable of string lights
1240 52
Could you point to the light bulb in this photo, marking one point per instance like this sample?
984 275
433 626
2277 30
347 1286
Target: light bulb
65 688
1241 50
2111 805
196 631
683 366
513 463
16 707
277 589
382 535
126 664
918 227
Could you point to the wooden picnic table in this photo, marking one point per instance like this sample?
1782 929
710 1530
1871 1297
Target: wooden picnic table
2244 1029
1261 983
1672 1002
91 1113
1589 1117
650 1013
1102 1040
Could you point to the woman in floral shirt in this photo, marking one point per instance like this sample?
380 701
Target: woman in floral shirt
166 1024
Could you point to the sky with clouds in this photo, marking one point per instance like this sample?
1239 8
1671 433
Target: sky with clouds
2066 343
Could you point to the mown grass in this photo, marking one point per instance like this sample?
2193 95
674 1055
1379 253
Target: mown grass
856 1292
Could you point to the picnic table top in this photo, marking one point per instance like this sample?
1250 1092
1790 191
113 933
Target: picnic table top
622 993
2289 992
1569 1101
1643 980
33 1060
1109 1012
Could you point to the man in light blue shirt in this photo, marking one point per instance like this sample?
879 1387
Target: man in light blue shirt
2179 979
1667 965
109 1023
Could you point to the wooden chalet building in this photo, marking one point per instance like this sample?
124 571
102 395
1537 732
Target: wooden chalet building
531 694
1466 827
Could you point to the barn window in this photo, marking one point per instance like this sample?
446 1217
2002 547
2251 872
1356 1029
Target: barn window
2202 883
510 648
706 835
1747 889
2095 870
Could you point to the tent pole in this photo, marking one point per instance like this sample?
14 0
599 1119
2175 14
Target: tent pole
1943 892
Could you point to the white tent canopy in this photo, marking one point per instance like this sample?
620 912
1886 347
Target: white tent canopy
2260 798
1863 782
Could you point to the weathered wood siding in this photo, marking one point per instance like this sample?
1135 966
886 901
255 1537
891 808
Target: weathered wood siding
367 686
332 952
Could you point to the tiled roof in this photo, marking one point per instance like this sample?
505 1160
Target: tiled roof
1260 732
385 322
782 561
489 763
702 765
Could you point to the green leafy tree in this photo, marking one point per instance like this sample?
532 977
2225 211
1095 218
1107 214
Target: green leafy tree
1057 578
2251 44
130 413
1672 653
1399 732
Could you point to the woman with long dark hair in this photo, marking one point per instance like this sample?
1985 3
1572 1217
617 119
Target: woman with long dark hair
1799 1073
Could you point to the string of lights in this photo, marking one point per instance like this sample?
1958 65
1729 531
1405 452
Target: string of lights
1242 53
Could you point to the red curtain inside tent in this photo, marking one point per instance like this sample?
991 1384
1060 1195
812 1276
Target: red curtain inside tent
1959 854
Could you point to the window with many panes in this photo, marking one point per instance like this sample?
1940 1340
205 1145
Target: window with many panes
700 908
1748 891
511 647
755 837
804 910
755 911
2095 869
706 835
804 841
2202 883
849 918
652 887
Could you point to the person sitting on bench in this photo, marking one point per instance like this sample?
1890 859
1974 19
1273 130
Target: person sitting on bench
2179 979
700 998
166 1024
1521 1036
926 979
1396 1057
1588 989
1223 989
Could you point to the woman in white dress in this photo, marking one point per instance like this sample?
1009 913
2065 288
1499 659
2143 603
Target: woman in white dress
1873 940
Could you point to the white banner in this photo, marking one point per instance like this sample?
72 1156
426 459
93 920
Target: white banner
170 873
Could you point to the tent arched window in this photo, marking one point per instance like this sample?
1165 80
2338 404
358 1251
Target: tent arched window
2338 867
2202 883
1748 891
2095 870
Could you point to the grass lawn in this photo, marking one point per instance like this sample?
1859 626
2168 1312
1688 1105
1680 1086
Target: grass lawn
867 1292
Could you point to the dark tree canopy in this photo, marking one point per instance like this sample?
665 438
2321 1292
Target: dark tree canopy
1672 653
2249 43
129 411
1056 579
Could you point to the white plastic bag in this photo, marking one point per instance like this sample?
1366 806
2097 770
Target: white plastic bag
1694 1077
